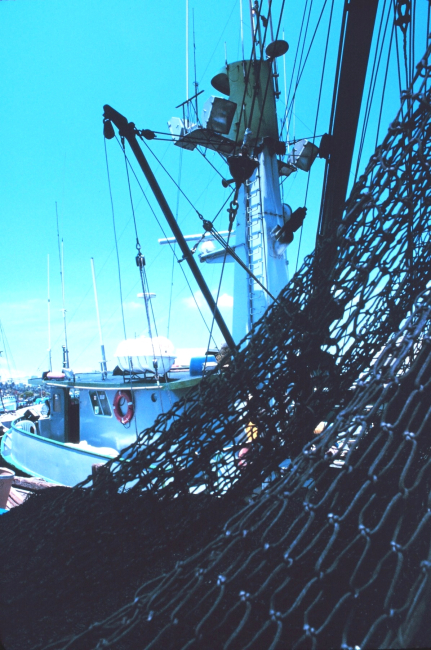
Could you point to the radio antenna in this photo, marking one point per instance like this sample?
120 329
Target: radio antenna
49 324
102 347
61 259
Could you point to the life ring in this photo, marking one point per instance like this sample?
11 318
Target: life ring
127 396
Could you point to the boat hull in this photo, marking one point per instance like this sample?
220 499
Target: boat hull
98 437
53 461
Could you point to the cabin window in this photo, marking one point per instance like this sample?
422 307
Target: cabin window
56 403
99 402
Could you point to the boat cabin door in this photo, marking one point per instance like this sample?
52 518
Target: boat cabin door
64 405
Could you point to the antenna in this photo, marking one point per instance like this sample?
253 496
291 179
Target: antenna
194 64
285 93
187 50
61 259
250 4
102 347
49 324
242 28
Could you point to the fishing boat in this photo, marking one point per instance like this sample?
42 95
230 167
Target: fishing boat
90 418
308 559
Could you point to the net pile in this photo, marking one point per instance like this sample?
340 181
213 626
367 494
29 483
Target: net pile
234 523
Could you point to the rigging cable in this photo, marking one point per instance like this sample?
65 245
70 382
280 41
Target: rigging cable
398 59
247 76
140 262
165 236
218 294
294 63
259 69
384 86
173 180
116 242
428 23
209 162
179 188
317 117
173 258
334 102
6 347
373 82
301 70
219 239
221 36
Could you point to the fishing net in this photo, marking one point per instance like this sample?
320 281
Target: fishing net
285 502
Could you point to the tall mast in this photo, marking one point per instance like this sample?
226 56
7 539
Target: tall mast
102 347
260 216
244 128
61 258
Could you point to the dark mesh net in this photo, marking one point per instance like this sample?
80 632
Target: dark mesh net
239 520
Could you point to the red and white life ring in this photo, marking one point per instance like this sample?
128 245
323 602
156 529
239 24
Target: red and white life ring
127 397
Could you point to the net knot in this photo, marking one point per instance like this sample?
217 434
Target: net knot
425 566
288 560
396 547
275 616
364 530
309 631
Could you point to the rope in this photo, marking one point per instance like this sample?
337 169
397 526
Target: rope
180 167
115 238
315 122
166 237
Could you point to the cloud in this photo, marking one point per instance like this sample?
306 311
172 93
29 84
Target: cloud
134 305
197 300
225 300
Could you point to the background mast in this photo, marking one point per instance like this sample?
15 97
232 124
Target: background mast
102 347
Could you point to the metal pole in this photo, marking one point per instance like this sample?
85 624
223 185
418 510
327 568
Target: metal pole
61 259
127 130
66 351
102 347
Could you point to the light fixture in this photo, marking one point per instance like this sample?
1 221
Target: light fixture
303 154
276 48
217 114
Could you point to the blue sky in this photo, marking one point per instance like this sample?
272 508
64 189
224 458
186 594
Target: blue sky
61 61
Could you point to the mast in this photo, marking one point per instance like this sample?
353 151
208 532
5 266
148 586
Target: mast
102 347
249 85
244 128
355 44
61 256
